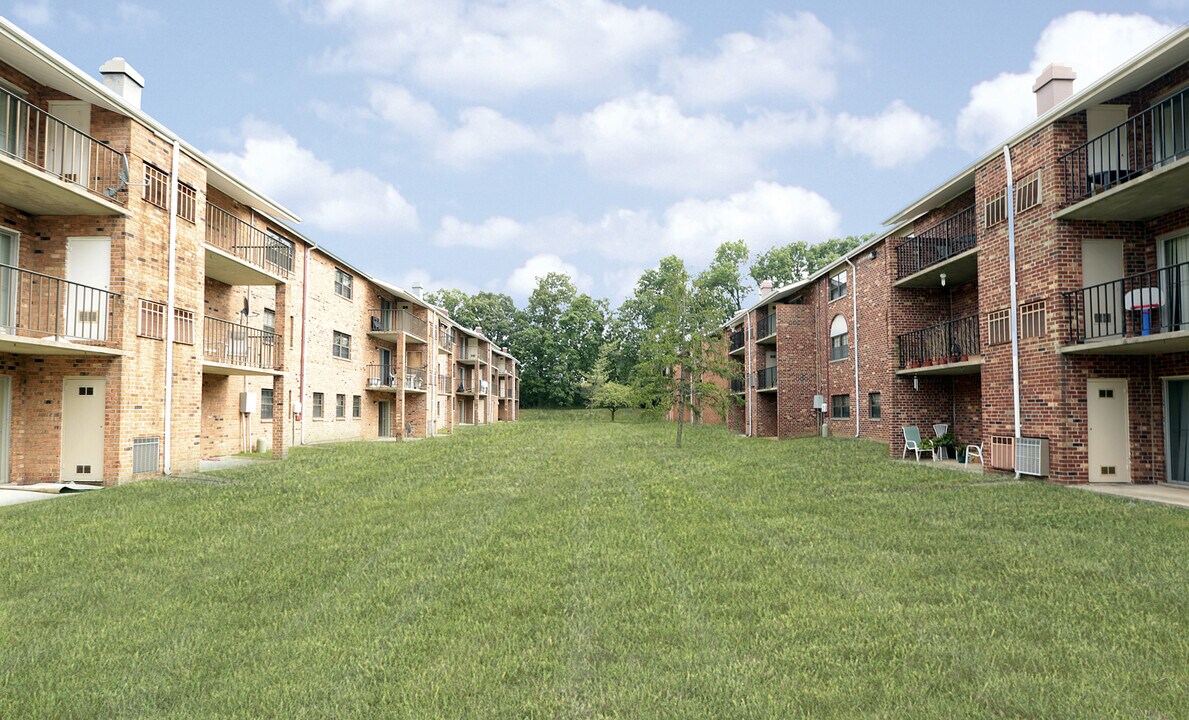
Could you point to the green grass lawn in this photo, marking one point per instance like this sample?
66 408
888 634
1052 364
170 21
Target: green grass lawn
567 567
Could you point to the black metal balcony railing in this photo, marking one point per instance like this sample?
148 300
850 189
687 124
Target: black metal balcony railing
444 386
1149 303
738 385
466 384
766 326
446 338
940 344
415 379
234 344
37 305
1142 143
738 338
247 242
470 352
952 236
399 320
34 137
766 378
382 376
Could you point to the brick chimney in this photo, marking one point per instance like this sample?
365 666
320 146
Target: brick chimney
1053 86
765 289
122 79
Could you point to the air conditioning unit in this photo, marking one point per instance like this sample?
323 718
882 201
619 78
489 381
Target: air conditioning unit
1003 452
1032 456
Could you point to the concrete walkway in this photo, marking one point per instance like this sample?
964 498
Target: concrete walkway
1163 494
16 497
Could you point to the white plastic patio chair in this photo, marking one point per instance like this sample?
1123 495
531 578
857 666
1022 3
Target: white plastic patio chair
912 441
974 451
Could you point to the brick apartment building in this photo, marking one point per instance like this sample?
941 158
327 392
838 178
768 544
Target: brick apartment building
1098 327
156 310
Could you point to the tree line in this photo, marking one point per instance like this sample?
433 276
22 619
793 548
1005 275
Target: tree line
661 343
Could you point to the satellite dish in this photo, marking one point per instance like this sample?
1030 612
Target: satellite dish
246 310
121 178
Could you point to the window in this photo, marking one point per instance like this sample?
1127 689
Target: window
1028 192
151 320
183 326
317 406
270 326
266 403
187 202
1032 319
290 328
342 345
839 339
838 285
999 327
156 188
356 406
874 408
340 407
840 407
995 209
342 284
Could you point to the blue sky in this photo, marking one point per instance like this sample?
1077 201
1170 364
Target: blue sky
479 145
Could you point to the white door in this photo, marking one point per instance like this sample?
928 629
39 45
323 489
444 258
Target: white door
9 279
67 146
5 424
82 428
88 268
1108 444
1102 294
1109 155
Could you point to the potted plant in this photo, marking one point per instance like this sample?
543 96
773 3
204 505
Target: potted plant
961 453
946 441
928 361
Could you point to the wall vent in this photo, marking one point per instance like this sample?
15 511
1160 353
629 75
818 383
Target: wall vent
145 453
1032 456
1003 453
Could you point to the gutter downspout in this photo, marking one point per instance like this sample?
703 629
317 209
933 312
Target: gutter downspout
305 317
169 307
752 398
854 309
1011 256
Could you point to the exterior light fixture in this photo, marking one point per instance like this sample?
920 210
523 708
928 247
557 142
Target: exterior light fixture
943 279
916 383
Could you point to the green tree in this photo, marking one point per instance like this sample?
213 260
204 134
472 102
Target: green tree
496 313
721 284
613 396
798 260
558 342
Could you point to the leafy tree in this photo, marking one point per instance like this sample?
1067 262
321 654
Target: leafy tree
721 284
496 313
798 260
613 396
559 342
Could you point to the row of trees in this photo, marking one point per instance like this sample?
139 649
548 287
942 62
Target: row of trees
662 343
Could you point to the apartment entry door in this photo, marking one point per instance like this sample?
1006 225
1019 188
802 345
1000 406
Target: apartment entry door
67 146
1176 413
385 429
9 279
83 428
5 425
88 269
1109 448
1102 268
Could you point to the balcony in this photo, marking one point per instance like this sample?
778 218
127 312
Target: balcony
1144 314
445 340
383 378
738 386
766 330
766 379
390 324
44 315
48 167
444 386
232 349
466 384
470 354
949 247
738 340
239 253
948 348
1134 171
415 380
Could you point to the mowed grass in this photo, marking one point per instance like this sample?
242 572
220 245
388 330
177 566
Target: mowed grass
567 567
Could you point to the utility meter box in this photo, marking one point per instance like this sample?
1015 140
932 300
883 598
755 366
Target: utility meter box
247 402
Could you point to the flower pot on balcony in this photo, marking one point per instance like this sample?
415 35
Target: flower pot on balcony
914 363
963 358
927 362
955 357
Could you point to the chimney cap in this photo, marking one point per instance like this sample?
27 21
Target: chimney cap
120 66
765 289
1054 71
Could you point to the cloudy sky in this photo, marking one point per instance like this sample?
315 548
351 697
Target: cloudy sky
479 145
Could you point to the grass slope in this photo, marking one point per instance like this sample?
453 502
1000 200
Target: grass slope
567 567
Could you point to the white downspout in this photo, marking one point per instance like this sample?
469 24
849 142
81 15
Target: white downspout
854 309
169 305
749 386
1011 258
305 323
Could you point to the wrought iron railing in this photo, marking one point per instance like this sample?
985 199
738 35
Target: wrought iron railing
446 338
32 136
1149 303
766 378
465 384
415 379
470 352
38 305
234 344
738 385
1150 139
383 376
766 326
738 338
399 320
247 242
444 386
943 343
952 236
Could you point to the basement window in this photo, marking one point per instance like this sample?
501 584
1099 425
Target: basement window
340 407
266 403
356 406
840 407
318 401
874 406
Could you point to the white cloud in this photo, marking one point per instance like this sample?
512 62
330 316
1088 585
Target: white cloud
1092 44
523 279
404 112
497 49
795 57
897 136
646 140
766 215
37 13
351 201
